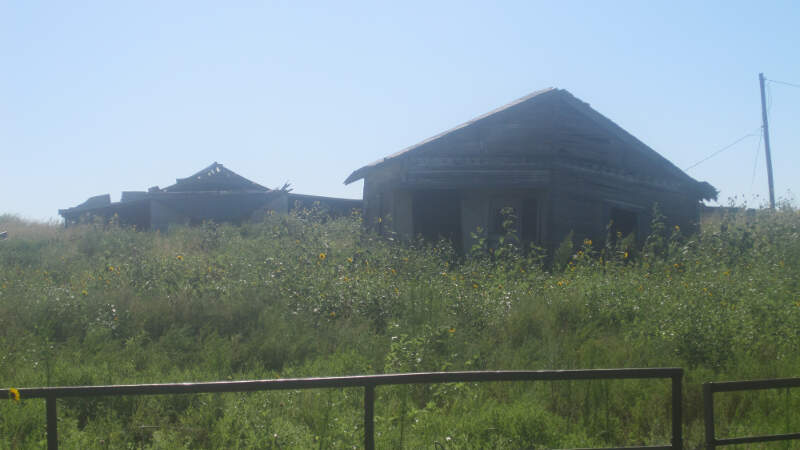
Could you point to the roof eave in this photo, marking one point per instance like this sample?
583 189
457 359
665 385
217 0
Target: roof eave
706 191
357 175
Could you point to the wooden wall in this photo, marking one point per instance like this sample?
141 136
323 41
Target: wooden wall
579 165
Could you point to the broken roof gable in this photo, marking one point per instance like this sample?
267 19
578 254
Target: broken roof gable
214 178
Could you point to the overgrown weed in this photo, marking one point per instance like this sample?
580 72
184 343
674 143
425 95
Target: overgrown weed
299 296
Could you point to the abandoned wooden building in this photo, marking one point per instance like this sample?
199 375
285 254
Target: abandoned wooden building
548 161
215 193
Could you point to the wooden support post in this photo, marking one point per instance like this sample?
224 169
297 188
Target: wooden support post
677 412
52 423
369 417
708 412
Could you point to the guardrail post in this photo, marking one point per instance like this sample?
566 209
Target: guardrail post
708 416
677 413
369 417
52 423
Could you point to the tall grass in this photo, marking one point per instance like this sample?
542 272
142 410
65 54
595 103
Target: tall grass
299 296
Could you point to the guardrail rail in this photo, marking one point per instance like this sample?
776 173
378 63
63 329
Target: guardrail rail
369 383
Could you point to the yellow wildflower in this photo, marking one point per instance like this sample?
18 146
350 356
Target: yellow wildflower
180 257
13 394
452 330
322 256
84 292
677 228
474 285
333 313
587 242
394 272
625 255
349 259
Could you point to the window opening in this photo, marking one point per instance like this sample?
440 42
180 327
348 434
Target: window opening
437 214
530 221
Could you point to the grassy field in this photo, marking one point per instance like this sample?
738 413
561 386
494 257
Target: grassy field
300 296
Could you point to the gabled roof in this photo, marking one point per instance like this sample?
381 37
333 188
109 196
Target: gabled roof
645 153
214 178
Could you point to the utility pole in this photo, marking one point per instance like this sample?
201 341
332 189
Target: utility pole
766 142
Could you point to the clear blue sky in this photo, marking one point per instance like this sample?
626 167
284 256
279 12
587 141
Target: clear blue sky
101 97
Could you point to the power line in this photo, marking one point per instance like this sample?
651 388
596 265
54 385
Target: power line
755 161
784 82
769 100
751 134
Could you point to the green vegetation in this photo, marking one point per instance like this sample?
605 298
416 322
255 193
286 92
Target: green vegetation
300 296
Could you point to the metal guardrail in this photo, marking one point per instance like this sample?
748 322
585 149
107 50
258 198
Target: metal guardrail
369 383
729 386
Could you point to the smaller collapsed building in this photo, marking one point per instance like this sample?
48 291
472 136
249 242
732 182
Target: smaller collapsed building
215 193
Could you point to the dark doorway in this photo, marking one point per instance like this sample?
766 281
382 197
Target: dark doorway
530 221
437 214
623 223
